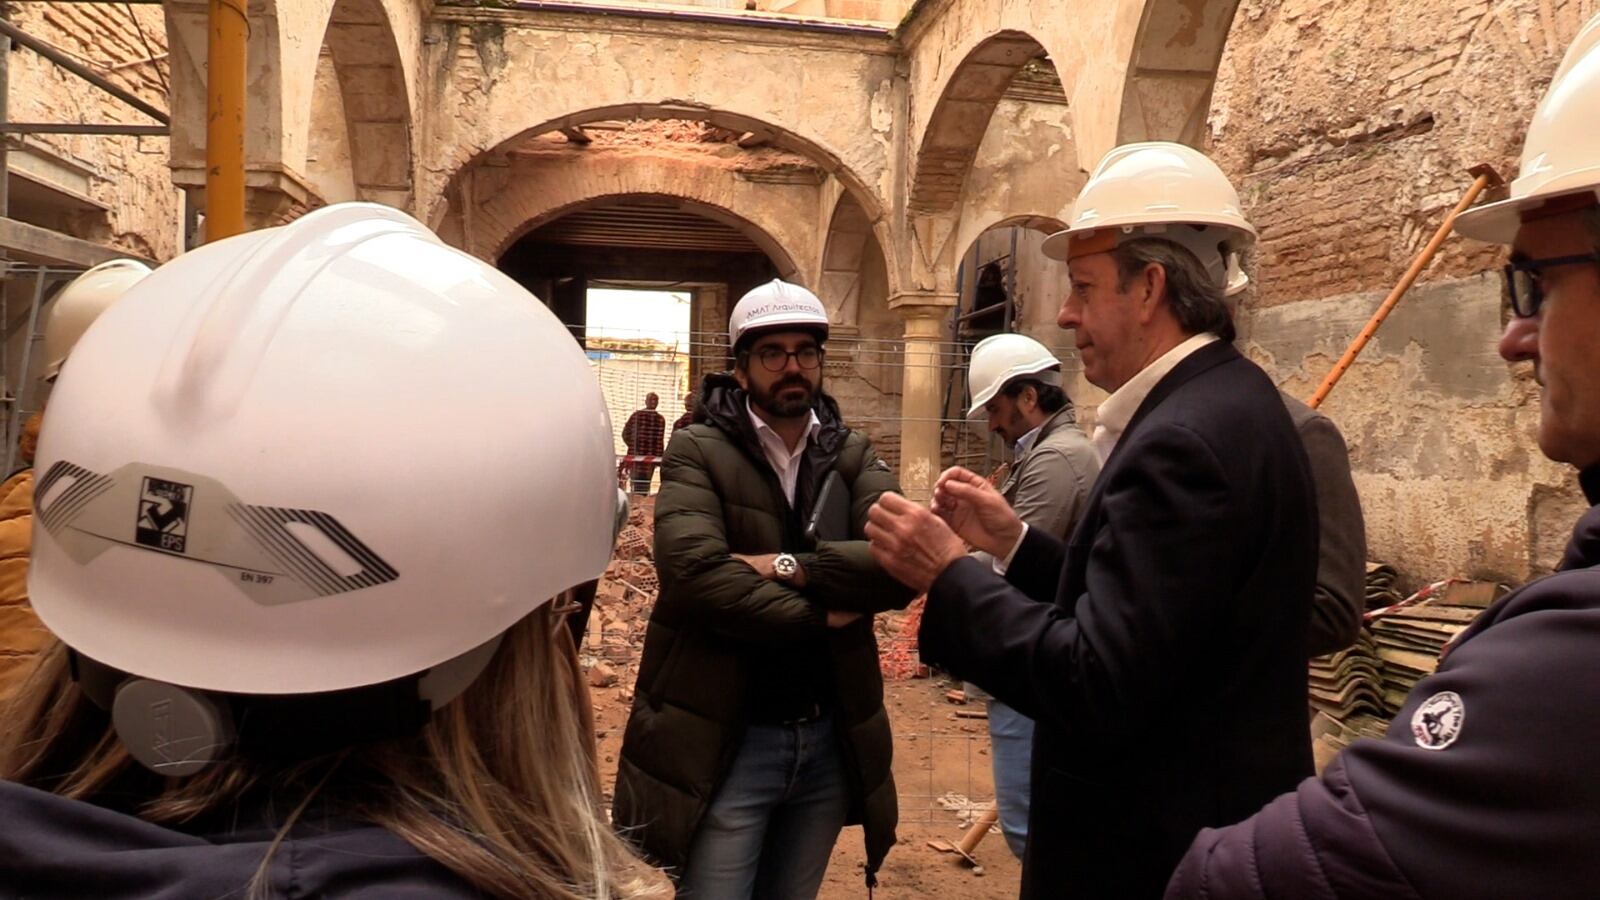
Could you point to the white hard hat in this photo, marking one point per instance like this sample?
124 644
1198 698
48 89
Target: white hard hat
317 457
998 359
774 306
80 303
1562 153
1159 189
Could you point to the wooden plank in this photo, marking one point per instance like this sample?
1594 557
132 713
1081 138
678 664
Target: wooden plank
43 245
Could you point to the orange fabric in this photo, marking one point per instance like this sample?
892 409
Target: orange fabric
1102 241
21 633
29 442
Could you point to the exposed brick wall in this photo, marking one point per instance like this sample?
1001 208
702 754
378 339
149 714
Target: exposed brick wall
129 174
1349 127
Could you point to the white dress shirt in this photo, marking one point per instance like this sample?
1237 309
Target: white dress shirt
783 462
1117 410
1112 418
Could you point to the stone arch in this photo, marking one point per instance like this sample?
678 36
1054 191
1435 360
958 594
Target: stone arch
845 253
949 142
971 229
1040 222
758 235
1166 94
684 185
1036 283
828 95
380 40
369 114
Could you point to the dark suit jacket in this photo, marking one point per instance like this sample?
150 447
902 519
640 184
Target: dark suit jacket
1341 595
1162 650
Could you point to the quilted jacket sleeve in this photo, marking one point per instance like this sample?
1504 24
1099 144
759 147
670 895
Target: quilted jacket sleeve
842 575
1483 786
697 569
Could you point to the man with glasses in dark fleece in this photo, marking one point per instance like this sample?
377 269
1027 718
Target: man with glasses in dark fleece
758 729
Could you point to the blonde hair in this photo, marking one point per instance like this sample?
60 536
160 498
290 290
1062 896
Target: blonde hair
501 786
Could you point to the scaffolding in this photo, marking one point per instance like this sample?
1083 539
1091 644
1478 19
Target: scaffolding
35 256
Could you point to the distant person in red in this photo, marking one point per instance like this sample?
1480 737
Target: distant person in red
645 435
687 418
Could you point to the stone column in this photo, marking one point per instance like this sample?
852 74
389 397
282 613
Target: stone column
922 390
273 194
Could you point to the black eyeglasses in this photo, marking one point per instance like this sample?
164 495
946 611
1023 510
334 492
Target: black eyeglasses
775 359
1525 279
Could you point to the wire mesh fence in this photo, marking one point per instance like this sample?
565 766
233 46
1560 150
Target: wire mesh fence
864 374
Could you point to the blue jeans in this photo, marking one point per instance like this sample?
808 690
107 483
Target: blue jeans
1011 749
773 822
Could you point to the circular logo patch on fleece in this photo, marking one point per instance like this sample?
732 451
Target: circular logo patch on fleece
1437 722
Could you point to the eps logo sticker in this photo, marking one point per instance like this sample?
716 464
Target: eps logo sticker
164 514
1437 722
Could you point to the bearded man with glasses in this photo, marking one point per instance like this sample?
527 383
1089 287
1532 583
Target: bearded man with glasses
758 729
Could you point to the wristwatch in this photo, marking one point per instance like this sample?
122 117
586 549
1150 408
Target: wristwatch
785 566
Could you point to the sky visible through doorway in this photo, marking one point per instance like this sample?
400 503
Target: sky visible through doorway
636 314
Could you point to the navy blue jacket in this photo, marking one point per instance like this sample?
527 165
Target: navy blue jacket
1485 786
52 847
1162 650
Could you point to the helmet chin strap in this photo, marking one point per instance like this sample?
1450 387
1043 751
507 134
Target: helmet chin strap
178 731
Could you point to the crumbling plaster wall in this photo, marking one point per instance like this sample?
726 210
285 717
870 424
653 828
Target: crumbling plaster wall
1348 128
1026 169
330 163
126 174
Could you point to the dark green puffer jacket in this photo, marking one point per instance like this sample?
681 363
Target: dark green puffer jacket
716 616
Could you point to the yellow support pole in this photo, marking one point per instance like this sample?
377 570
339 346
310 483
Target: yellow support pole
229 28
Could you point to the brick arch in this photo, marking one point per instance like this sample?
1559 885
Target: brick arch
957 124
971 229
1044 224
645 178
775 251
526 205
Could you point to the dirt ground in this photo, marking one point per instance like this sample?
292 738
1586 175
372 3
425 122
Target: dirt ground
942 770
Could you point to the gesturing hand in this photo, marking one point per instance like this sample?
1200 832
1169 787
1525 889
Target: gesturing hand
911 543
973 509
